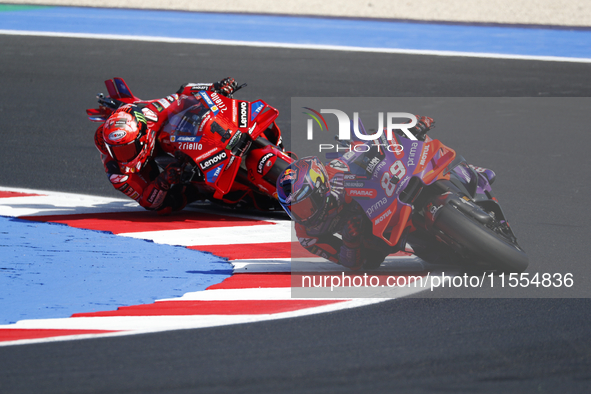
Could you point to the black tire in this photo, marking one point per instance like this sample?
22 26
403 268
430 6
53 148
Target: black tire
476 240
373 258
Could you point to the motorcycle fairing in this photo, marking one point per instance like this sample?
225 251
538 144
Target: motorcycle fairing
219 132
391 176
255 108
118 89
472 193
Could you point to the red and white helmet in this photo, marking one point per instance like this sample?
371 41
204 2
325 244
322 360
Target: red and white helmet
128 139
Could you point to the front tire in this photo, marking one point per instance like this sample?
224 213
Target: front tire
475 240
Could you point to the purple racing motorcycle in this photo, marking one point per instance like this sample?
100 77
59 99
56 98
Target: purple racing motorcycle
421 193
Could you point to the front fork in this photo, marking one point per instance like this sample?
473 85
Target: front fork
264 163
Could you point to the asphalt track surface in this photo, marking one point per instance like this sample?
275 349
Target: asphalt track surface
407 345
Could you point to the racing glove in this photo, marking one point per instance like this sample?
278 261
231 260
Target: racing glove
226 86
175 201
170 176
424 124
352 231
350 257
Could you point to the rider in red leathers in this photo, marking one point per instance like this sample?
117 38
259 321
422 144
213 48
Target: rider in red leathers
129 142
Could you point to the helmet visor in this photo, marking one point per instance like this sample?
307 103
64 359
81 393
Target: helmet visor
306 209
125 153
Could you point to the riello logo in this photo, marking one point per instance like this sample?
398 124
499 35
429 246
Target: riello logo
345 124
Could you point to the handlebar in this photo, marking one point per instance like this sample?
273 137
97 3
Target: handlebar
109 102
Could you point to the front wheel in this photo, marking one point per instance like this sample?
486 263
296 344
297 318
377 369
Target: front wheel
475 240
264 164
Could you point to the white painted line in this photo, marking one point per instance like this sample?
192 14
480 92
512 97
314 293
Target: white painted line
258 294
392 264
296 46
275 293
53 203
278 232
261 265
159 323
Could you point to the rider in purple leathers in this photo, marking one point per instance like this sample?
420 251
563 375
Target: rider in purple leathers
314 197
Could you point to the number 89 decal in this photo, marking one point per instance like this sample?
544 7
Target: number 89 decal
397 169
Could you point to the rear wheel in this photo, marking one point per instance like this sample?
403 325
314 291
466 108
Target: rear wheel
490 244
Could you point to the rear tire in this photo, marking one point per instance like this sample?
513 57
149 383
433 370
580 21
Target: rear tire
474 240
